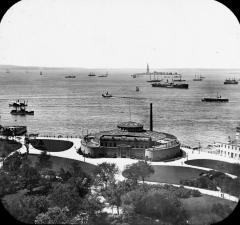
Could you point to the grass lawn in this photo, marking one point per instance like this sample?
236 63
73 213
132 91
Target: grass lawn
8 146
173 174
59 162
224 167
51 145
199 208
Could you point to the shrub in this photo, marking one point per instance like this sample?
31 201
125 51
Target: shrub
196 193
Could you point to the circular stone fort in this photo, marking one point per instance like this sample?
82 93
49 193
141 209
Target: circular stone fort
131 140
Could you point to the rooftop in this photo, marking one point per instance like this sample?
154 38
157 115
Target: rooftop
154 135
129 124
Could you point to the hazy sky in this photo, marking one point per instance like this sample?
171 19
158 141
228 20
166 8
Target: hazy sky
120 33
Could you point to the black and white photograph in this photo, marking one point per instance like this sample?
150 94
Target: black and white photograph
119 112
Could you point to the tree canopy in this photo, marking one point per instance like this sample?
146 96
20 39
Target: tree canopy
139 170
105 174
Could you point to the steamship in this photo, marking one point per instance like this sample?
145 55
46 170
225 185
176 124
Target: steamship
218 98
171 85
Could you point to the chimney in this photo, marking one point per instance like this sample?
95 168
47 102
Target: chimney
237 134
151 119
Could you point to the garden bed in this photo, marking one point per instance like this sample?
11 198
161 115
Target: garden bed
222 166
51 145
65 163
173 174
8 146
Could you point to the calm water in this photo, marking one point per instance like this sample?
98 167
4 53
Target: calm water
75 106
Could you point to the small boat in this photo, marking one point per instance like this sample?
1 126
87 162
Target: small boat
41 73
216 99
104 75
70 76
106 95
91 74
137 88
231 81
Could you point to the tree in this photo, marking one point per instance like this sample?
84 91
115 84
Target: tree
65 175
6 184
105 174
44 161
139 170
114 193
54 215
13 163
66 195
154 205
79 179
30 177
26 208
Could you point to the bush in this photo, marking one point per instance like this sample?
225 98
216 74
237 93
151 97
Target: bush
196 193
201 182
154 205
26 208
182 192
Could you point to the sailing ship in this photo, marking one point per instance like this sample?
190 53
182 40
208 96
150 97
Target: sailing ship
231 81
91 74
178 78
197 78
218 98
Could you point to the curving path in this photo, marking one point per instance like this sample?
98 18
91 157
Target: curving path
123 162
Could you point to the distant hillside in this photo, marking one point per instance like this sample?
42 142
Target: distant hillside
35 67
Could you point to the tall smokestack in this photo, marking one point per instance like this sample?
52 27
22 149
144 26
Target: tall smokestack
237 134
151 118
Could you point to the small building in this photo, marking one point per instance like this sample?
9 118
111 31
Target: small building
231 149
13 130
131 140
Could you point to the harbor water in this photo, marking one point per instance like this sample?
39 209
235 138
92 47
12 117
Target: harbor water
75 106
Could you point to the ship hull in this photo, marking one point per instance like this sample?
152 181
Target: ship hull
214 100
106 96
22 113
152 81
230 82
180 86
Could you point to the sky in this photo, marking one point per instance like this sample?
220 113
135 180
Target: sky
120 34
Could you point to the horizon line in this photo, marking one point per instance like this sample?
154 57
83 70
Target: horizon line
88 68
